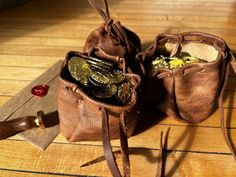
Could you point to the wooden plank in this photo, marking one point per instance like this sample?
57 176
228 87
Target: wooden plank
41 41
4 99
24 104
27 61
7 172
37 50
130 23
84 7
18 73
61 158
11 87
153 8
182 138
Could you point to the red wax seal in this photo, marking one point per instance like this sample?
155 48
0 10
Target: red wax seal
40 90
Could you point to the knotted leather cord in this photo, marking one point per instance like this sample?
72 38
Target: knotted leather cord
105 15
108 149
112 27
220 105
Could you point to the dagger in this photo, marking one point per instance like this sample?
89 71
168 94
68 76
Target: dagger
12 127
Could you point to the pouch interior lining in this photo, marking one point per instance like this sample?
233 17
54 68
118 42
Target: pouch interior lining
199 50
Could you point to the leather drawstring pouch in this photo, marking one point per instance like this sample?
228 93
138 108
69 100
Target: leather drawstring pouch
85 118
113 39
189 93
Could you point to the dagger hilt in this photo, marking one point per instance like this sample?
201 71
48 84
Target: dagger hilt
12 127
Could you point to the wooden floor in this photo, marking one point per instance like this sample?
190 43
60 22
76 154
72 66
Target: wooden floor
37 34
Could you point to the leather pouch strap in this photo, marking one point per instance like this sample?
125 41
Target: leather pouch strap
105 15
220 104
233 62
115 30
124 145
109 156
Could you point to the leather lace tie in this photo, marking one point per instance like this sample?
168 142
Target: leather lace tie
115 29
220 104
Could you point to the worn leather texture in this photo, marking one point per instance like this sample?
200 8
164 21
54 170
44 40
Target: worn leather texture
80 115
114 39
187 93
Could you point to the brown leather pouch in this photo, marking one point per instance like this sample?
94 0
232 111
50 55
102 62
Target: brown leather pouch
84 118
113 39
81 116
189 92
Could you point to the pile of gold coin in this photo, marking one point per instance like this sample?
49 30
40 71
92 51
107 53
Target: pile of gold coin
177 61
102 80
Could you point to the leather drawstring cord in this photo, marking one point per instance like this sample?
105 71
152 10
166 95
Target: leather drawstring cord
220 104
110 156
108 149
105 15
107 145
124 145
115 30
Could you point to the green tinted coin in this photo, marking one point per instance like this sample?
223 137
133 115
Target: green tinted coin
115 77
79 69
106 92
176 63
124 93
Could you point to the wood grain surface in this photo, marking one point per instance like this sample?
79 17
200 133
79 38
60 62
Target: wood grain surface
39 33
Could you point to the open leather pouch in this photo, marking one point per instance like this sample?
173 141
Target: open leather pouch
190 92
85 118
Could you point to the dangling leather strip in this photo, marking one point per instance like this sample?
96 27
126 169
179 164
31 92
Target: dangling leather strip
124 145
220 102
109 156
105 15
233 61
115 29
107 145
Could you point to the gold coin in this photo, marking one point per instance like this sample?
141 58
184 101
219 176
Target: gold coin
95 83
176 63
99 68
99 77
124 93
103 62
105 92
79 69
115 77
99 65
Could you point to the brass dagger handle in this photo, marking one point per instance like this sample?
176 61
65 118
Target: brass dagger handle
8 128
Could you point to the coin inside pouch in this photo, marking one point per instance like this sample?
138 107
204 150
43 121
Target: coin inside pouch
167 57
101 79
